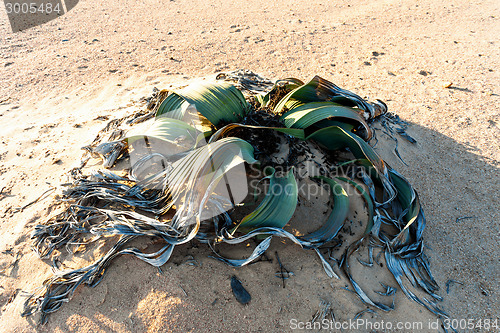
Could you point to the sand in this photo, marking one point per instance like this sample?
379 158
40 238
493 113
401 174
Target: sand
57 79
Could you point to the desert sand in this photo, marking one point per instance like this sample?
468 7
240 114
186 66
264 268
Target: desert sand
101 58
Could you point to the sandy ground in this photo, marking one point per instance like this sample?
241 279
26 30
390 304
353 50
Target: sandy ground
100 56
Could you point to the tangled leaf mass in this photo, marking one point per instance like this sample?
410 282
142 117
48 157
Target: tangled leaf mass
172 191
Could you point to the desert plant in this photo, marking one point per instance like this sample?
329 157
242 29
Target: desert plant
174 193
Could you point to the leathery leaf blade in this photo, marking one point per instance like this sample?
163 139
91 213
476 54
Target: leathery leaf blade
218 102
321 90
310 114
336 218
166 129
192 179
366 198
277 207
410 213
334 138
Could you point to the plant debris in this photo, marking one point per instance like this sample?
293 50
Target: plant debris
283 274
13 263
464 218
325 309
450 282
360 313
239 292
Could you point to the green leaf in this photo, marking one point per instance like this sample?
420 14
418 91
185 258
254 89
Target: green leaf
263 99
218 102
336 218
411 214
277 207
200 168
334 138
321 90
329 123
367 199
175 137
174 106
166 129
310 114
